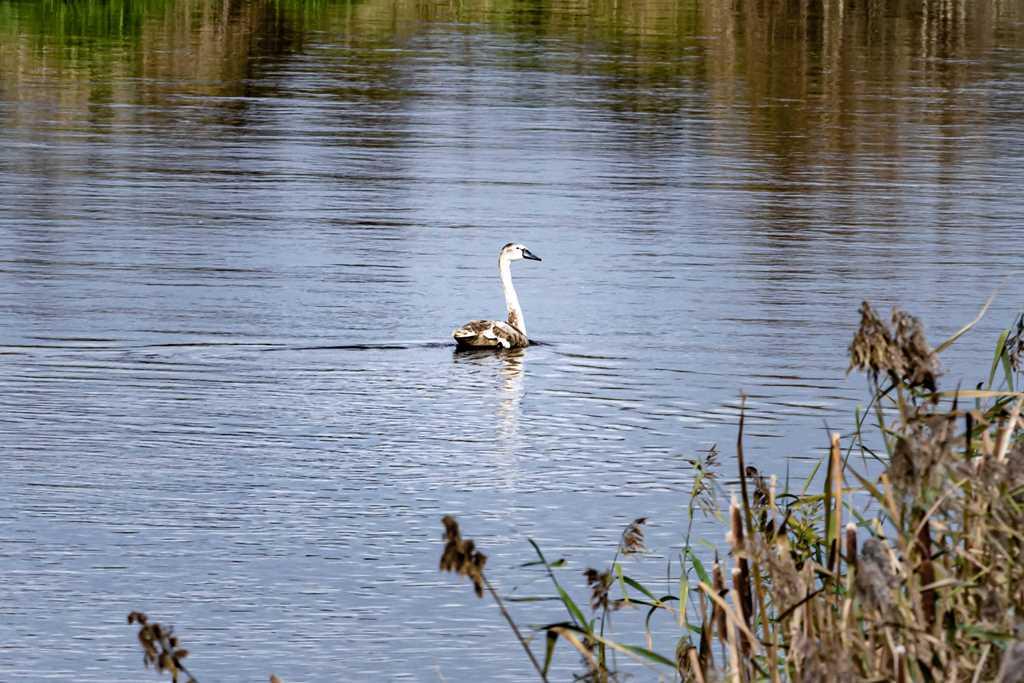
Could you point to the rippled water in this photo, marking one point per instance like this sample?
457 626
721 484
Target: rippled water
236 238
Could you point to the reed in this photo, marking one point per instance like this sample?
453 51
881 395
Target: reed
161 648
924 581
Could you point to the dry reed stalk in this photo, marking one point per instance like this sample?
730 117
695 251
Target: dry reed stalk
749 518
738 592
737 538
809 620
834 513
968 434
736 671
717 613
732 616
734 627
1007 430
900 665
706 658
981 665
850 587
695 664
588 656
926 572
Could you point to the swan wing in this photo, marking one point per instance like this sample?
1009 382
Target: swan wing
489 333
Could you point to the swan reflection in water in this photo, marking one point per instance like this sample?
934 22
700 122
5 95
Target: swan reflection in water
508 398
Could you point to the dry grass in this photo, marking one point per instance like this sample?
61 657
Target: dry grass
913 574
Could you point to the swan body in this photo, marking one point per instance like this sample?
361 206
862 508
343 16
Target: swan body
498 334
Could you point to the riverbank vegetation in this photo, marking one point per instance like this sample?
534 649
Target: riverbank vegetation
903 560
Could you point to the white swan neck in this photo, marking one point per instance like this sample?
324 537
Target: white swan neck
515 313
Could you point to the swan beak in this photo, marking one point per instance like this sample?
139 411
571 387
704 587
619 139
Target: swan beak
527 254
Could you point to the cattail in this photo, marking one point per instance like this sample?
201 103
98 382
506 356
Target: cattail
834 502
875 578
717 613
926 571
695 664
705 632
733 648
739 588
851 545
736 525
746 595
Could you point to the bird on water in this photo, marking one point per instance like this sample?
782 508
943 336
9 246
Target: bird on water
498 334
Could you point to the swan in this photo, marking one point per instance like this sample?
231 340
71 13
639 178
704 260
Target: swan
511 333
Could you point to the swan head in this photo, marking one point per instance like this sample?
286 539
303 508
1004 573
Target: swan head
513 251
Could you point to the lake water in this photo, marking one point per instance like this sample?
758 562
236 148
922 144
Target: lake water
236 237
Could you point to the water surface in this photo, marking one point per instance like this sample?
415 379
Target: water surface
236 237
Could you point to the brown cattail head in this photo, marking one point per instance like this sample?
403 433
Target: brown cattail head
851 545
461 556
736 524
717 613
928 446
742 588
875 578
741 598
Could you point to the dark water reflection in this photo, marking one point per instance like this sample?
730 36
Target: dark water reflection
237 234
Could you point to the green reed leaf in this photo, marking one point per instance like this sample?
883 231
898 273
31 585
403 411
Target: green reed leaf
698 566
574 610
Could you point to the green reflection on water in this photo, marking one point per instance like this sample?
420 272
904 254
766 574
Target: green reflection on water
783 38
798 77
